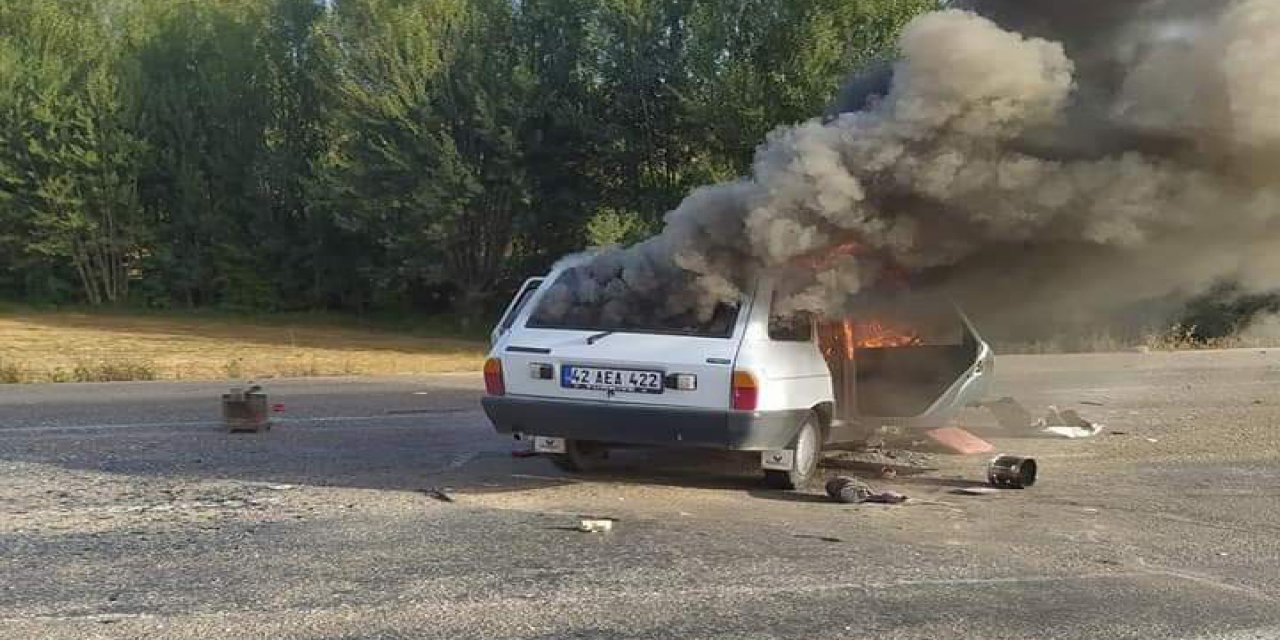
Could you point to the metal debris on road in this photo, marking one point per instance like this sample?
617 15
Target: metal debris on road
976 491
596 525
810 536
245 410
1011 415
1067 424
1012 472
438 494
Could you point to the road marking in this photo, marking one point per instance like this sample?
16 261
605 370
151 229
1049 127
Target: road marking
218 423
1203 579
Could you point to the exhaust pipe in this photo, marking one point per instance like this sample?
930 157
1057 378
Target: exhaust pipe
1011 472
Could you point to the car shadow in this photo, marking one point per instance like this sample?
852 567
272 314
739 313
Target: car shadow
454 453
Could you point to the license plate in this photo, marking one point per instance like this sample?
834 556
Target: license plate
543 444
600 379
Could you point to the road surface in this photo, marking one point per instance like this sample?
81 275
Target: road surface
125 512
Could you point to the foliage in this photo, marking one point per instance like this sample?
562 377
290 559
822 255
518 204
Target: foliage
380 154
1224 311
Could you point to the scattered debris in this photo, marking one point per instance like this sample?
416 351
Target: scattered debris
277 407
524 453
810 536
887 497
438 494
596 525
1011 472
848 490
888 473
851 490
878 455
1152 440
245 409
976 491
1010 413
959 441
1067 424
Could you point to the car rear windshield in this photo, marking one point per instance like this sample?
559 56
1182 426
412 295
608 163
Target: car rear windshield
631 316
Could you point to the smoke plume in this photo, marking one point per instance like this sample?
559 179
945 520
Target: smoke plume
1054 159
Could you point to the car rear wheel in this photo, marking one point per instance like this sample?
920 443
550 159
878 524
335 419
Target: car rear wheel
580 456
808 451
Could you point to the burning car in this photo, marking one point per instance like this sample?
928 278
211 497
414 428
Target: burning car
745 380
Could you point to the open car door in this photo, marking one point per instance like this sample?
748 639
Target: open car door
912 364
517 304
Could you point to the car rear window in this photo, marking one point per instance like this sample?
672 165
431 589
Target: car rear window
625 315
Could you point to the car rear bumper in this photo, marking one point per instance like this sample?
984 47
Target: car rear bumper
644 424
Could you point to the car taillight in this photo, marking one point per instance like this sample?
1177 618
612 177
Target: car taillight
745 391
493 384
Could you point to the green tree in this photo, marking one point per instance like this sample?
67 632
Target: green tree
564 135
759 64
364 153
70 164
429 166
204 110
298 237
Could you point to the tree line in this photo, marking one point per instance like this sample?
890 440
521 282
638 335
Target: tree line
380 154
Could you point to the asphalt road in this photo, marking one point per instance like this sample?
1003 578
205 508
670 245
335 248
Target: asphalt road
125 512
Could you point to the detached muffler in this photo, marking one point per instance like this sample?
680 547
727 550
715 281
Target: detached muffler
1011 472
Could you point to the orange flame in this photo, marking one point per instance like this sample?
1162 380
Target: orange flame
874 334
848 333
839 340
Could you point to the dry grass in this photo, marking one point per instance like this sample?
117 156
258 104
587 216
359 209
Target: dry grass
1175 338
74 347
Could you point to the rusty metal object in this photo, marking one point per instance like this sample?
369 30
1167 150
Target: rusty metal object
245 410
1012 472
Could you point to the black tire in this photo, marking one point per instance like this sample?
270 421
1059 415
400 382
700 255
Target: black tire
808 447
579 456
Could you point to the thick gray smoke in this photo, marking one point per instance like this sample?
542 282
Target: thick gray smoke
1113 153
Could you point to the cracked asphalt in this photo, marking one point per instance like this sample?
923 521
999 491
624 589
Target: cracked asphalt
126 512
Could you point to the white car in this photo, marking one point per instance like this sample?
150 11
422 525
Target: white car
746 381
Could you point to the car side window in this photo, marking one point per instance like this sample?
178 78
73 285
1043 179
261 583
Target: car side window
793 327
522 298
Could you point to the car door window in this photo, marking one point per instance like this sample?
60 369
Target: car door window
518 303
792 327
